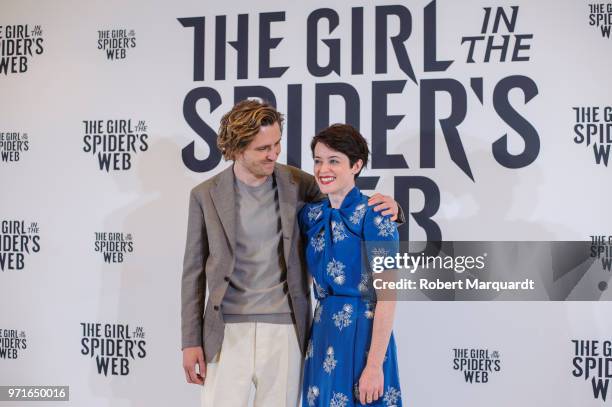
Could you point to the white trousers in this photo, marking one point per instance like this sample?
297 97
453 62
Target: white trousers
266 356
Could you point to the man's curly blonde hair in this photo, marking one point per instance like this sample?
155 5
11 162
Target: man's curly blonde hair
240 125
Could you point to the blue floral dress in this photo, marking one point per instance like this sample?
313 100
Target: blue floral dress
340 246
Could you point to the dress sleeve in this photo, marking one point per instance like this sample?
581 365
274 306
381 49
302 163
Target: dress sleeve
303 219
381 239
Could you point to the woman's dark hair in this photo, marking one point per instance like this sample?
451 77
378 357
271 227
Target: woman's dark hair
345 139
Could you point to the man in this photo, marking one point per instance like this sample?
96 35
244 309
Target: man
244 244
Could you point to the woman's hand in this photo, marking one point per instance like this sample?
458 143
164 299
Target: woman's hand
371 384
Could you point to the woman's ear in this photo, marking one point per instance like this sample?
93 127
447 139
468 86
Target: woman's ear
357 166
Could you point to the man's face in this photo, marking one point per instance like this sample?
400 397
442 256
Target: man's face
261 154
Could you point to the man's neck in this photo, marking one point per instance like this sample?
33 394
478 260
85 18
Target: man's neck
247 177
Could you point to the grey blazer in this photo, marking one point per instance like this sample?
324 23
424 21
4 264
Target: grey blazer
209 255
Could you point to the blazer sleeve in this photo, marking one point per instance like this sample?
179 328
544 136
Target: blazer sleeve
193 285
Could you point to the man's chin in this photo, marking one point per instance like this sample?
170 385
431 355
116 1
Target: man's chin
267 169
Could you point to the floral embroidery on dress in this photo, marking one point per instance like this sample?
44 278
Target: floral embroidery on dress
342 318
369 311
314 212
338 231
378 252
335 269
321 292
391 397
318 241
358 214
338 400
330 362
313 393
364 283
385 226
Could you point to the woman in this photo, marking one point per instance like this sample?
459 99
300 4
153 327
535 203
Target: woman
351 357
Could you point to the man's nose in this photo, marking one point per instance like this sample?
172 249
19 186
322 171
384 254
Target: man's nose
272 155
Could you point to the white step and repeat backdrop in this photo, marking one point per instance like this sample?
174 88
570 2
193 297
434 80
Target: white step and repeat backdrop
487 120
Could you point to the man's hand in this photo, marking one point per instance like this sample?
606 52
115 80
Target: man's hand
384 203
371 384
191 357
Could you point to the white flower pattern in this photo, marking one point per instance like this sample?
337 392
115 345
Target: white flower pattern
314 212
385 226
318 241
364 283
313 393
342 318
369 310
358 214
392 397
338 231
335 269
330 362
378 252
339 400
321 292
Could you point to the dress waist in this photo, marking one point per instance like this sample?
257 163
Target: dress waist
346 298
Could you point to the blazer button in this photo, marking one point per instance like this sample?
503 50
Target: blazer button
226 278
216 307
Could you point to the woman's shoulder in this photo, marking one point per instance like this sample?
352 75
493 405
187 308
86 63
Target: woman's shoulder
311 213
378 224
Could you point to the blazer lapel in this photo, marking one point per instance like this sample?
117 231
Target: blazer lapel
223 197
287 199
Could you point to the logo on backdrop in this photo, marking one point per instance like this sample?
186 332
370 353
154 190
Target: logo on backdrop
600 16
115 142
476 364
114 346
12 146
19 44
17 241
497 39
115 43
601 248
593 362
12 342
113 246
593 129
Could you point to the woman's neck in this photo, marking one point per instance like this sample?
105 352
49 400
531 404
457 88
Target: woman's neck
336 198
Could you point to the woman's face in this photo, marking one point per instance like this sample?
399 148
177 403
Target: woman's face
333 171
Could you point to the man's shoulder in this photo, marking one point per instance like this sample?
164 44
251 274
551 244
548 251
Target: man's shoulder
206 185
